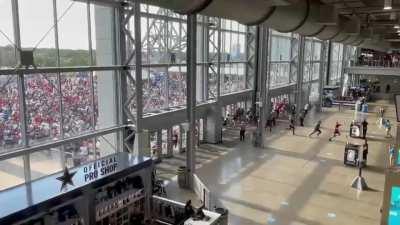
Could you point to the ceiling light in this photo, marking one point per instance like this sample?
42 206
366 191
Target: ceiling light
396 27
387 5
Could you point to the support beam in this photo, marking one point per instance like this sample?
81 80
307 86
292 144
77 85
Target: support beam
322 75
191 97
140 147
328 65
262 74
300 74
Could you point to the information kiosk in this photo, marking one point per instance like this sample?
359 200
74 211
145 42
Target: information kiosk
355 151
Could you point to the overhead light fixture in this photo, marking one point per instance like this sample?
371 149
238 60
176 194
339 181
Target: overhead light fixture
396 27
387 5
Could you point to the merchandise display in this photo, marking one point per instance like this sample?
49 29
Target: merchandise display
112 190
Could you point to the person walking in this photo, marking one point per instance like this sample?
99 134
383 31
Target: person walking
301 118
306 108
242 131
388 128
391 155
336 132
291 125
269 124
365 128
274 117
317 129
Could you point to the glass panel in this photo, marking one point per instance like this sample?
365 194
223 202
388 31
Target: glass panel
77 101
7 50
317 51
177 86
102 28
241 68
11 172
10 127
46 162
73 33
106 145
80 152
154 89
36 25
316 71
104 98
42 99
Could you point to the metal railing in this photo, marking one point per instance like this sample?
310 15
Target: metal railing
377 63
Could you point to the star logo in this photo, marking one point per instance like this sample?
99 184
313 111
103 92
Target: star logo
66 178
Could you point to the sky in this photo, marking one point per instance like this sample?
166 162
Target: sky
36 18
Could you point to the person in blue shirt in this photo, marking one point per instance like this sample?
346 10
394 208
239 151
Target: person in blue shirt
391 155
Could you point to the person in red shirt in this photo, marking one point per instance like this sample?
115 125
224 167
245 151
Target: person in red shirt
336 132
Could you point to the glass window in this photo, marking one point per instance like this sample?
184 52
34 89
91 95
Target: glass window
73 33
177 86
45 162
317 51
102 29
42 97
80 152
37 30
7 49
11 172
77 100
104 98
10 123
154 89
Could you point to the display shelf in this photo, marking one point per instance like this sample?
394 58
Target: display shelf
114 205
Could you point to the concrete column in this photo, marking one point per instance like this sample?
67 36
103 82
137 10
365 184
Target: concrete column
321 79
106 80
140 147
170 147
142 142
191 97
300 73
262 73
180 139
159 144
213 125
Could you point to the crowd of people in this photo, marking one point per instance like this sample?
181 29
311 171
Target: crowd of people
43 107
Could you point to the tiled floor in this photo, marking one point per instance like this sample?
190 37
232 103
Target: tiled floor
295 180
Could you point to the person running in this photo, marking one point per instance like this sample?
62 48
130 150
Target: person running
291 125
242 131
317 129
336 132
365 128
301 118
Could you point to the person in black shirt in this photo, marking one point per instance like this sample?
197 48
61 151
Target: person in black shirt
317 129
291 125
365 128
189 211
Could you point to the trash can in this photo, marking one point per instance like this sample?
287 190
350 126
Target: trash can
224 215
182 176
